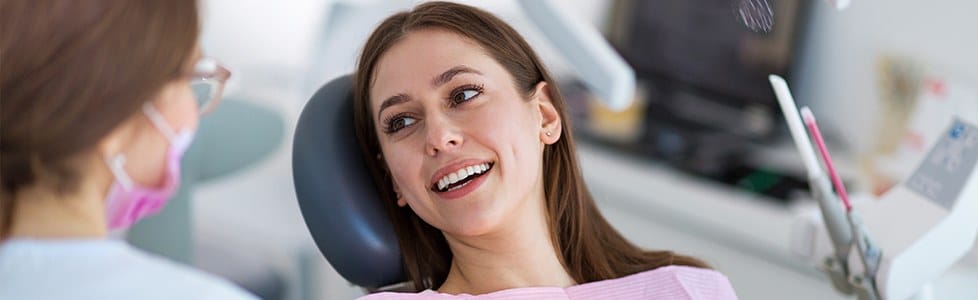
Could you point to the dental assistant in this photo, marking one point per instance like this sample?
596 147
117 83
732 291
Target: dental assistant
97 110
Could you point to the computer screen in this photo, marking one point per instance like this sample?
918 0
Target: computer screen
705 45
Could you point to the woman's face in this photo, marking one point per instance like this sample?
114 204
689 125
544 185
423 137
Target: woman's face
463 145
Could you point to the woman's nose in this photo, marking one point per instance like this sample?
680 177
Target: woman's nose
442 135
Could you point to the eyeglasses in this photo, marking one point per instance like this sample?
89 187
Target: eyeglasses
207 83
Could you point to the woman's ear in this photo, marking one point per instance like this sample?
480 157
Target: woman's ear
397 194
550 122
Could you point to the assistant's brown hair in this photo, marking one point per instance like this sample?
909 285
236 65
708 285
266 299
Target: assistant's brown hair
590 248
74 70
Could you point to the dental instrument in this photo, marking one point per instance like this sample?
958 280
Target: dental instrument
869 254
832 214
922 226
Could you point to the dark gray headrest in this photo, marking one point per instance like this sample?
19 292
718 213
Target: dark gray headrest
337 195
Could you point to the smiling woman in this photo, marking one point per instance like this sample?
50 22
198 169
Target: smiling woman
476 165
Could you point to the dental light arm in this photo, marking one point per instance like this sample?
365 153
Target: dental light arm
920 228
592 58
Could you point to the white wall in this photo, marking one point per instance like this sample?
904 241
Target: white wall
836 73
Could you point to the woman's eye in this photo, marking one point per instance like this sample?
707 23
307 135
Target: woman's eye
398 123
464 95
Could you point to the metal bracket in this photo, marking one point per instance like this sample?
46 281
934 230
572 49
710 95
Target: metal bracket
838 274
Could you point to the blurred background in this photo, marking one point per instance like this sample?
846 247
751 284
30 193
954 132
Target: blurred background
704 135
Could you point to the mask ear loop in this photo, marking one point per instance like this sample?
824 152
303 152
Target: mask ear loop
158 121
117 165
117 162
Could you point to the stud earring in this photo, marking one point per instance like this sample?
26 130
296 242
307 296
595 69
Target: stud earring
549 134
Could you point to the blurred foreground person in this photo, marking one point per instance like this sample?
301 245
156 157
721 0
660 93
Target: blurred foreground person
97 111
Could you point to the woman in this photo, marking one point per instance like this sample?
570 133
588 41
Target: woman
97 111
477 169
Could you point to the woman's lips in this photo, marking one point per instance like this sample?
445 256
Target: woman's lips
457 171
460 177
463 187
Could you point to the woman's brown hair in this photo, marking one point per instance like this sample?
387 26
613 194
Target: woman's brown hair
73 71
590 248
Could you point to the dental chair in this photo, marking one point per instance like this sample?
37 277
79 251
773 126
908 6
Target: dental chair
337 195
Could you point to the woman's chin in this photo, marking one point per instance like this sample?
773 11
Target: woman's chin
472 225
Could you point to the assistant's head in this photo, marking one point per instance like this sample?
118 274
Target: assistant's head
467 133
78 78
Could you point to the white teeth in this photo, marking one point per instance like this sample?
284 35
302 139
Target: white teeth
461 174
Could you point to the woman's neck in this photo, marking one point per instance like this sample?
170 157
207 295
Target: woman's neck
41 213
520 255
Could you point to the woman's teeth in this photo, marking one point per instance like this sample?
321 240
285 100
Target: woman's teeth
461 174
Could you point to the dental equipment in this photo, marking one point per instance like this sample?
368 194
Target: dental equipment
598 64
832 214
592 57
922 226
869 255
809 118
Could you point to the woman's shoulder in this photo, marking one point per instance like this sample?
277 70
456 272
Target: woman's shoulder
101 269
528 293
179 279
669 282
426 294
680 273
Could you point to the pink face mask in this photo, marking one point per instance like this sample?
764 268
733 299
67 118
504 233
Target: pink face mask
128 202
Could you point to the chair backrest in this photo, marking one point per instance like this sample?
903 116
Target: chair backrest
336 194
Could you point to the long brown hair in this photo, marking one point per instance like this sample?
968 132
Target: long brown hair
73 71
590 248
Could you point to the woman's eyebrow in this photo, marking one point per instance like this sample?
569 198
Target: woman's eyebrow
393 100
447 76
